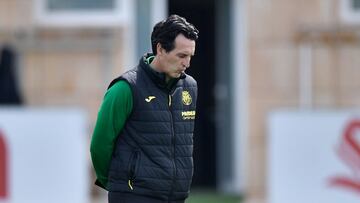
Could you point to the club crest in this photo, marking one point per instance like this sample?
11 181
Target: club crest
186 98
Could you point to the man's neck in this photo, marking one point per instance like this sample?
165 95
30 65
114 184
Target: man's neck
155 65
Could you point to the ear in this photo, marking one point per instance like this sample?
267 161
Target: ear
159 49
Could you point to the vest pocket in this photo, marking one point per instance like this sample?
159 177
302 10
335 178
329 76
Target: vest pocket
133 168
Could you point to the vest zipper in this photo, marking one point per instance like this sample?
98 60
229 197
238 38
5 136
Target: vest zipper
173 148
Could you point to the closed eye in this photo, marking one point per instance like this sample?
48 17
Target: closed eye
182 55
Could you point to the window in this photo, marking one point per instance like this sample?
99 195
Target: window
350 11
77 13
356 4
78 5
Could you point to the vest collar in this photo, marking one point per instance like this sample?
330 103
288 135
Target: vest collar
157 77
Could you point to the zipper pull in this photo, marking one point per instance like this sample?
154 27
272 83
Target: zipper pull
130 185
169 100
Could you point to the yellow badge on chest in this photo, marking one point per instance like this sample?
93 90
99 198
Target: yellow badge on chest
186 98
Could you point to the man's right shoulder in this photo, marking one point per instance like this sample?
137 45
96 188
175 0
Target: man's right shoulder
129 76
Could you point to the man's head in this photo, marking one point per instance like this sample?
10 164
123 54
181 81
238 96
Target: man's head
173 43
167 30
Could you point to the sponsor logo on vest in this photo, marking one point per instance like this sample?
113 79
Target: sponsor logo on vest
3 168
188 115
149 98
349 153
186 98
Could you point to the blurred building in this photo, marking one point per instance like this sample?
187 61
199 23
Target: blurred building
301 55
252 57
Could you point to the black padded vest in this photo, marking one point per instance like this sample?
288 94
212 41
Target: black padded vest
153 152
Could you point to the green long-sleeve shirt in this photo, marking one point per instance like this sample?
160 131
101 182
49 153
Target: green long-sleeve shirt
115 109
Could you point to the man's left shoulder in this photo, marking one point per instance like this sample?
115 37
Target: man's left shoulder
190 80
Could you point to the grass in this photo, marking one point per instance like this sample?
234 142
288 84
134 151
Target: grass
211 197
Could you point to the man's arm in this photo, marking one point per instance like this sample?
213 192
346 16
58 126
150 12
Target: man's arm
115 109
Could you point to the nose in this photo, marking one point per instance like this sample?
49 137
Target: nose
186 62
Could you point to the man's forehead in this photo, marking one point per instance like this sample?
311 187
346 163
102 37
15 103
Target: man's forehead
187 47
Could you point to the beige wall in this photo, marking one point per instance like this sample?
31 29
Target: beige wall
15 14
60 66
276 28
69 69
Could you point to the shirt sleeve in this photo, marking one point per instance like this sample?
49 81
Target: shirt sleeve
115 109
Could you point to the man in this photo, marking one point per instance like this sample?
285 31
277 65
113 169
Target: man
142 143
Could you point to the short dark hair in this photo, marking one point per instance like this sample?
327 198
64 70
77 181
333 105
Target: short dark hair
166 31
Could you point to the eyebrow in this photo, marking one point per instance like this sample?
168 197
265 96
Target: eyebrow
187 54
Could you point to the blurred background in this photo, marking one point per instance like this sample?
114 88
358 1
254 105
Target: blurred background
269 72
